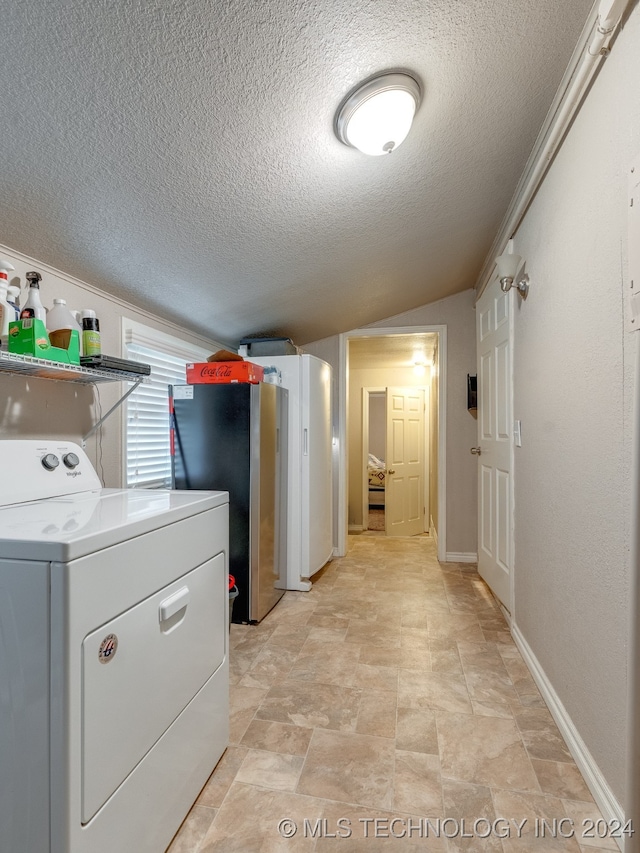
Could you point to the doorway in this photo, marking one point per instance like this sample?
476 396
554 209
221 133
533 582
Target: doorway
395 459
385 357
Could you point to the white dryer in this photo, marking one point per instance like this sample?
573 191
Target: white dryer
114 682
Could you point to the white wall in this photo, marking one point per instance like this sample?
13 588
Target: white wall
42 408
573 386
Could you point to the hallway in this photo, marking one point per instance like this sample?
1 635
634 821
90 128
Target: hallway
392 690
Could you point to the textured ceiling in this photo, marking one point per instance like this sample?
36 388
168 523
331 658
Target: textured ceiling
181 154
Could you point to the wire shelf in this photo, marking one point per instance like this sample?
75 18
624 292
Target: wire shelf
43 368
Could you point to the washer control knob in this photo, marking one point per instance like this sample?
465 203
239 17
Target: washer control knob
50 461
71 460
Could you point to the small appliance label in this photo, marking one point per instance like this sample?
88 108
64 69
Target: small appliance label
183 392
108 648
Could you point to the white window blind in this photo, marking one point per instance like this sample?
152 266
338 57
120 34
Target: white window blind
148 459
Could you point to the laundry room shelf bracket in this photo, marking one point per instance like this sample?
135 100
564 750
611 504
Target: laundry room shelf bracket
99 423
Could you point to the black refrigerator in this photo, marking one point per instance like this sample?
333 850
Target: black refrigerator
234 437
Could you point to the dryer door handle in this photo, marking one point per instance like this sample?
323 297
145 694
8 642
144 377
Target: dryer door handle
170 606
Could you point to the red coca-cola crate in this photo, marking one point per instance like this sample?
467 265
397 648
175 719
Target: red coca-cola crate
224 371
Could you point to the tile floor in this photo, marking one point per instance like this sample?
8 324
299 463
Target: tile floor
390 693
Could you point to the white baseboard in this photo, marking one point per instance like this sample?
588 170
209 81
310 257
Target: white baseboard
602 793
453 557
356 528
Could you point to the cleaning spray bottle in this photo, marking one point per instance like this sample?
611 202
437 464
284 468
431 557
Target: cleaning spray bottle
33 307
7 311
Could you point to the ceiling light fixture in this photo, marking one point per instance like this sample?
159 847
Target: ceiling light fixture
507 267
376 117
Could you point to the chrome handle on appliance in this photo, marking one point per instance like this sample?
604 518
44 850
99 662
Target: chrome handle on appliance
305 450
476 451
391 471
170 606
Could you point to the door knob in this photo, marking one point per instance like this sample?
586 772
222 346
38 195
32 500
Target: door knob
391 471
476 451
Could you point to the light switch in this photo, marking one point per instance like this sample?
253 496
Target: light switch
517 433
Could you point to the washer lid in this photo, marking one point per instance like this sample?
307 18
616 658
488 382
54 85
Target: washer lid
62 529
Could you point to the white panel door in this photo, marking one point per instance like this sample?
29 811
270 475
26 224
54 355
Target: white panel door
404 487
495 416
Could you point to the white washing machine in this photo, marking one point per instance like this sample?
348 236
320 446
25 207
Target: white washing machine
114 681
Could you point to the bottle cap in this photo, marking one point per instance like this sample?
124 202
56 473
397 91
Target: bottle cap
59 301
13 291
34 279
88 313
5 267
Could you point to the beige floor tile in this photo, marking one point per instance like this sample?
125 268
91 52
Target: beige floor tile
458 626
416 659
589 849
243 703
486 708
378 677
193 830
483 656
541 736
561 780
311 705
222 777
277 737
271 664
249 821
589 825
291 636
472 807
414 619
533 818
489 687
417 786
416 731
433 690
377 714
379 656
532 700
414 638
353 768
326 663
373 634
274 770
503 637
328 633
485 751
445 656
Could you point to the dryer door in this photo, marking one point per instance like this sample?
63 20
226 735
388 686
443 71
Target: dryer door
140 670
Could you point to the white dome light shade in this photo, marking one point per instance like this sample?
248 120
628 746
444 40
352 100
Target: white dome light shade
508 265
377 117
